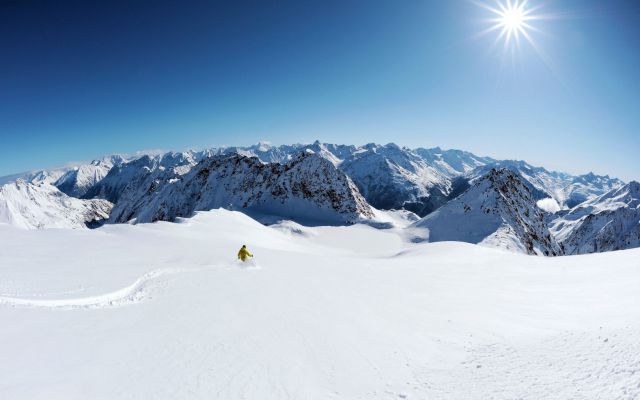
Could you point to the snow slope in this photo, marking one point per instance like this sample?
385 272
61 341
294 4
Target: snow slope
162 311
308 188
606 223
42 205
499 210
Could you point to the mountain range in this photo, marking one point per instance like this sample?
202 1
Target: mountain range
307 188
605 223
460 196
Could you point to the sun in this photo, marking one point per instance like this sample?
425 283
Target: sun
512 20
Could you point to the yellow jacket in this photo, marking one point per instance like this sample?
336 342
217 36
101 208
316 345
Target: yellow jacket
244 253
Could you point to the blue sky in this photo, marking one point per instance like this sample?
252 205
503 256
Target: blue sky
79 79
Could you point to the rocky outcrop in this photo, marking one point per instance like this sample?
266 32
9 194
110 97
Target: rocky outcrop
309 188
498 210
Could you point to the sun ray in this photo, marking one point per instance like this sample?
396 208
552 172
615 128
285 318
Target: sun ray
486 31
485 6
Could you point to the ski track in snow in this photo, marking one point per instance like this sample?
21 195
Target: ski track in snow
134 293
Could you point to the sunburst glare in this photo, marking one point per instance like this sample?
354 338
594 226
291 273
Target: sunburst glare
512 20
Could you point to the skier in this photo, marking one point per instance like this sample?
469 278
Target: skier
244 253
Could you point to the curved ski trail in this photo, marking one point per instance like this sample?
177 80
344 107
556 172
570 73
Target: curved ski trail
133 293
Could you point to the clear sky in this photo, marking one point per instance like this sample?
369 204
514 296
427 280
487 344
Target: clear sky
79 79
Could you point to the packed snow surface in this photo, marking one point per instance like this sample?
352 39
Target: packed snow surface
164 311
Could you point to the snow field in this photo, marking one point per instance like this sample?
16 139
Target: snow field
164 311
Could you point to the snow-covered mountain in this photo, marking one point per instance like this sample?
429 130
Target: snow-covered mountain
37 176
41 205
78 180
388 176
453 162
135 172
336 153
608 222
164 186
308 188
114 183
588 186
498 210
89 172
422 179
567 190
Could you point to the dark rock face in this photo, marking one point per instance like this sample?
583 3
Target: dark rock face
308 187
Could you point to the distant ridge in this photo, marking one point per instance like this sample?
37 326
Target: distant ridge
323 183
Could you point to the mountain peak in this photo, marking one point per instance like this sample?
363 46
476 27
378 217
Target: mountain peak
497 210
307 188
498 173
392 146
506 181
263 145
